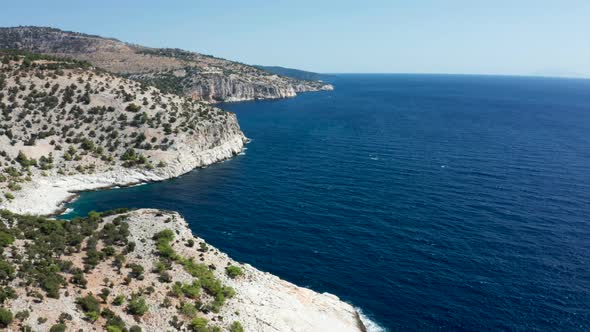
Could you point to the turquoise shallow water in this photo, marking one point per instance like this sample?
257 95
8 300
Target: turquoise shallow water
431 202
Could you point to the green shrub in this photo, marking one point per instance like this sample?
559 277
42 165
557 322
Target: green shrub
132 108
6 239
24 161
60 327
136 271
199 325
137 306
236 327
118 300
5 317
6 270
233 271
22 315
87 144
192 290
115 323
188 309
90 306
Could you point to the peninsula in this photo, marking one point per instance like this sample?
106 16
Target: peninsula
201 77
67 126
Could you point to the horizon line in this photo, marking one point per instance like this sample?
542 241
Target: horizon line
456 74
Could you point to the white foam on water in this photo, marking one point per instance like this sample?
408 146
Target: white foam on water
68 210
371 325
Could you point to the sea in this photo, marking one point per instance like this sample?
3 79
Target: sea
429 202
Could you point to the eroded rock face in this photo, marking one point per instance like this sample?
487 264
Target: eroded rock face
192 74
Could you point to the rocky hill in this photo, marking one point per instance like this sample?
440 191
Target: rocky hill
144 271
65 126
199 76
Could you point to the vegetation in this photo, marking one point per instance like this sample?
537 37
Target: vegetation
233 271
5 317
60 327
137 306
50 105
236 327
205 278
90 306
53 243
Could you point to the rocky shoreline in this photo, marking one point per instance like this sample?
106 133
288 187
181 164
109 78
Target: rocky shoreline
264 301
46 195
82 129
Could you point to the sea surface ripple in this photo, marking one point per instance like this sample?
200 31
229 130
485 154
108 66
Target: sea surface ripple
432 202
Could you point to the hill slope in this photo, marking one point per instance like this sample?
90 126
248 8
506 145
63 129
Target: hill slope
144 271
186 73
65 126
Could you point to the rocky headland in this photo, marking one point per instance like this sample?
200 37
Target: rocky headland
199 76
67 126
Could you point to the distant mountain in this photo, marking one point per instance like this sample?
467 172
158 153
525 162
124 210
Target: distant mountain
199 76
293 73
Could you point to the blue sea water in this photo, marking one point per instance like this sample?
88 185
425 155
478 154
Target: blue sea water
431 202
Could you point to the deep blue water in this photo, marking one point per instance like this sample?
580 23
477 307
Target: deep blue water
431 202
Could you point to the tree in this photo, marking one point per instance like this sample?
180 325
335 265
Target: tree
87 144
90 305
104 294
137 306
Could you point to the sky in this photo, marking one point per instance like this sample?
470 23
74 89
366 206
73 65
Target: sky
517 37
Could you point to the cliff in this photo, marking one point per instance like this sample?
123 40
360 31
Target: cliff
177 71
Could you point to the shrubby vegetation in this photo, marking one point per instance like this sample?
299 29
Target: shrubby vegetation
45 264
233 271
59 103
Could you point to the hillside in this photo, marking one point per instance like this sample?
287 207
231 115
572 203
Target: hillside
144 271
199 76
65 126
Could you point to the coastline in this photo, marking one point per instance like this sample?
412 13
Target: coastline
48 195
283 305
260 301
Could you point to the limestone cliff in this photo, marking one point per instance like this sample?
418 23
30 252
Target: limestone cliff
202 77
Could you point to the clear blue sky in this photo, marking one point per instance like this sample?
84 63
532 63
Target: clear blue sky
521 37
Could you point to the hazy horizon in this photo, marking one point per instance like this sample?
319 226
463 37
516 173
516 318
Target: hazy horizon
530 38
